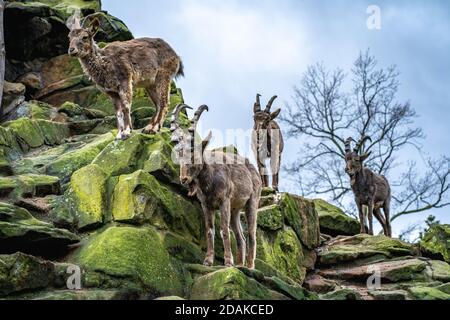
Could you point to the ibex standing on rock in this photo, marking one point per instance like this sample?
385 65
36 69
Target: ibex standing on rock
371 190
221 181
117 68
267 141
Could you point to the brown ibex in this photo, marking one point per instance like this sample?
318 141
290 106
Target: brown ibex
221 181
371 190
118 67
267 141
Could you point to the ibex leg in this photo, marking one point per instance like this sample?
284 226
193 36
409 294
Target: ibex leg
239 235
225 233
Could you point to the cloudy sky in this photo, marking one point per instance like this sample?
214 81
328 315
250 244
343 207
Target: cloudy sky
234 49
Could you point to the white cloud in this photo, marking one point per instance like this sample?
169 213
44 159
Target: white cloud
243 38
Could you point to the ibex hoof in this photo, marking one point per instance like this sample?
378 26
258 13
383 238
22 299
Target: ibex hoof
251 266
208 262
229 264
123 136
151 129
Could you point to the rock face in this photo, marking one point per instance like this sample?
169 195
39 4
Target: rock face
72 198
377 268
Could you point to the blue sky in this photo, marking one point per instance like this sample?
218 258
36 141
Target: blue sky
234 49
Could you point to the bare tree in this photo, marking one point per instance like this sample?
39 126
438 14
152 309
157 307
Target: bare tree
2 54
324 114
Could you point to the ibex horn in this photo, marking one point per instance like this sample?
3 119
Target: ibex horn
348 147
269 105
361 143
257 107
196 117
174 123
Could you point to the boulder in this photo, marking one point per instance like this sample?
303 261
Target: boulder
435 243
333 221
427 293
134 253
362 246
342 294
20 231
87 196
20 272
231 284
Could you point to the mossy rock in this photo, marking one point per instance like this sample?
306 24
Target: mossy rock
27 132
231 284
428 293
157 158
134 253
64 165
282 251
20 272
333 221
139 197
364 246
440 270
270 218
295 292
88 195
389 295
20 231
183 250
76 295
119 157
132 198
301 215
342 294
436 242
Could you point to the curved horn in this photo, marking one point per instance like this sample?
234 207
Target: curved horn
348 147
269 105
257 106
361 143
174 123
196 117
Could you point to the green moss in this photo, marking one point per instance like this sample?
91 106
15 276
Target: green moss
27 132
230 284
137 253
364 246
427 293
66 164
334 221
87 191
301 215
119 157
140 196
270 218
19 272
436 242
283 251
132 198
440 270
183 250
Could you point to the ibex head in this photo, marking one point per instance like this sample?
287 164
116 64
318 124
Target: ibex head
262 118
188 151
354 158
81 38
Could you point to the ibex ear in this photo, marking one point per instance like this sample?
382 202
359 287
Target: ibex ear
94 26
275 114
365 156
74 21
206 142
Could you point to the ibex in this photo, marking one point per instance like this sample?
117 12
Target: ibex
117 68
371 190
221 181
267 141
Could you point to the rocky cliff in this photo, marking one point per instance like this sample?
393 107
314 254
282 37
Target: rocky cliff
72 198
